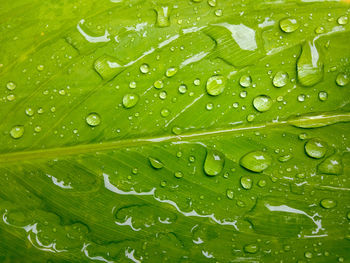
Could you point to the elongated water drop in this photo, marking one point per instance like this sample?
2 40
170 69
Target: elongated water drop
315 148
214 162
130 100
262 103
280 79
155 163
216 85
328 203
310 65
256 161
93 119
170 72
342 79
17 131
289 25
331 165
163 19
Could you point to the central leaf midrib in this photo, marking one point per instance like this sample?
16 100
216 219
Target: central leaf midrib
6 158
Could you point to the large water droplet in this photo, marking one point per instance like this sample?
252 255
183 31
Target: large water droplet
256 161
280 79
130 100
328 203
331 165
289 25
214 162
246 182
155 163
315 148
245 81
342 79
93 119
251 248
162 16
17 131
310 65
216 85
262 103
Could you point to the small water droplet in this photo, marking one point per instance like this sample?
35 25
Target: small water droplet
251 248
315 148
170 72
289 25
29 112
11 97
163 183
308 254
328 203
197 82
130 100
37 129
182 89
132 85
209 106
214 162
230 193
40 67
176 130
245 81
93 119
158 84
319 30
262 183
17 131
256 161
218 12
246 182
155 163
342 79
216 85
243 94
10 85
178 174
163 95
323 95
164 112
144 68
262 103
280 79
301 98
343 20
250 117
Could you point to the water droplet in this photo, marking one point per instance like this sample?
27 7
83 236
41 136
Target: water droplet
218 12
289 25
182 89
342 79
246 182
245 81
331 165
10 85
310 65
158 84
262 183
134 170
37 129
256 161
170 72
155 163
144 68
17 131
323 95
212 3
108 67
40 110
251 248
163 183
214 162
162 16
262 103
315 148
93 119
250 117
178 174
216 85
130 100
29 111
230 194
301 98
319 30
308 254
328 203
132 85
164 112
40 67
176 130
285 158
11 97
162 95
209 106
343 20
280 79
243 94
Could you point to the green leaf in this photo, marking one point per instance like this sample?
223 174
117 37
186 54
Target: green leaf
179 131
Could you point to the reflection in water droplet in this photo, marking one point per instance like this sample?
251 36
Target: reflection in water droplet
246 182
155 163
245 81
342 79
10 85
17 131
214 162
315 148
262 103
251 248
289 25
130 100
256 161
93 119
280 79
158 84
170 72
328 203
216 85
